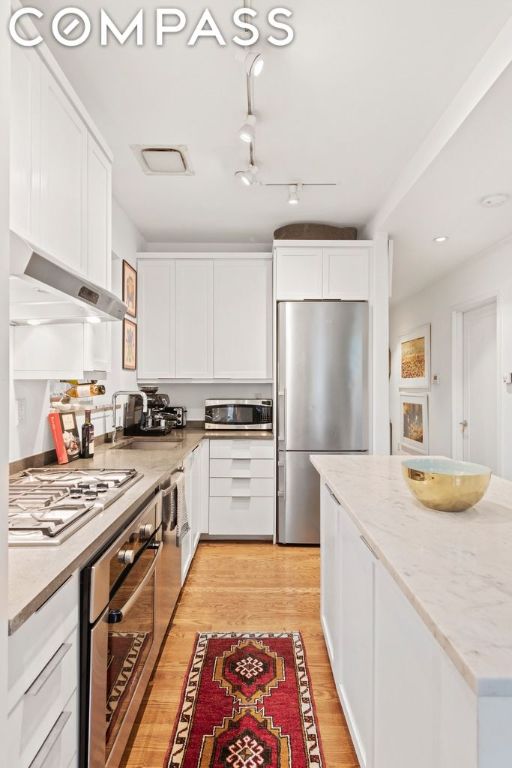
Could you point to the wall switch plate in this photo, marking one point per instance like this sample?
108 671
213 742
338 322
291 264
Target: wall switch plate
436 379
507 379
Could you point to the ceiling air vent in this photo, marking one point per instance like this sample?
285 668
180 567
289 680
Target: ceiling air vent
159 160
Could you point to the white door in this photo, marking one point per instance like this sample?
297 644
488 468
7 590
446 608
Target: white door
299 273
330 575
242 319
156 333
346 273
99 215
480 382
194 319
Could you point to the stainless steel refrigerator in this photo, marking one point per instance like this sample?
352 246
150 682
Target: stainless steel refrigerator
322 403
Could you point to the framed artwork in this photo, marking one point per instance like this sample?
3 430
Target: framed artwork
130 288
414 423
415 359
129 345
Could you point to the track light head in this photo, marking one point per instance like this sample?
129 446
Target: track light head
248 177
247 130
254 64
294 194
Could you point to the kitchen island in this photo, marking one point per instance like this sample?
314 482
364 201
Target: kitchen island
417 617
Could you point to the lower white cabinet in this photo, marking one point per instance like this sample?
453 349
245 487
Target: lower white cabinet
405 702
242 482
43 684
195 468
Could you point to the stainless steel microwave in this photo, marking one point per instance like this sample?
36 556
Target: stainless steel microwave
238 414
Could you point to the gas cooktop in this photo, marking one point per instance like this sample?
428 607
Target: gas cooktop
46 506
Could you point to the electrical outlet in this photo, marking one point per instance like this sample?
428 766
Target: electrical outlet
21 411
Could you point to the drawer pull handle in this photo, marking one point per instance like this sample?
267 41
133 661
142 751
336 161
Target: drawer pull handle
39 760
47 672
369 546
332 495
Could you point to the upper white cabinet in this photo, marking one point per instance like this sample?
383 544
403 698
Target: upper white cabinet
157 310
243 319
63 181
99 215
205 317
60 172
334 272
194 319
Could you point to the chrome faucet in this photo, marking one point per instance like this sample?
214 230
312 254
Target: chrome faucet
121 393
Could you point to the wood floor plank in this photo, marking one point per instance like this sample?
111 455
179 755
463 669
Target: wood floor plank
234 586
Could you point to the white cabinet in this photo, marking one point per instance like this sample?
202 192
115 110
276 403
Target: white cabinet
354 672
242 488
339 271
25 106
97 347
195 468
243 319
205 318
330 575
63 177
156 333
194 319
43 683
99 215
299 273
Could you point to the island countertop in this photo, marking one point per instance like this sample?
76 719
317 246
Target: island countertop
454 568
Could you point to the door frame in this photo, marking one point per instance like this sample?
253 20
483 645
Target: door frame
458 313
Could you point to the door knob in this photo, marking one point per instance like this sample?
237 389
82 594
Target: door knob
464 424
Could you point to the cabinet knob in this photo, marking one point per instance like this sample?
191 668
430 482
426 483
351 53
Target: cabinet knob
145 532
126 556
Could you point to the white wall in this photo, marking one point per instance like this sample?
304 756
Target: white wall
33 435
477 279
4 356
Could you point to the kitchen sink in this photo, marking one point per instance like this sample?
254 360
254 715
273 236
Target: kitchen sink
149 445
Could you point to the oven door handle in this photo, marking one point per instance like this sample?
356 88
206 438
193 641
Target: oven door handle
117 616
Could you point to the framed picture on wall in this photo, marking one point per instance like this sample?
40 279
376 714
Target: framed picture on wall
130 288
414 436
415 359
129 345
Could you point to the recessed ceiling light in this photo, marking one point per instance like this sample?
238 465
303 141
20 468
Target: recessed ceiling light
161 160
494 201
247 130
441 239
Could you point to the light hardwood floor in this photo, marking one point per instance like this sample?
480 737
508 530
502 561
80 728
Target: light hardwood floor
237 587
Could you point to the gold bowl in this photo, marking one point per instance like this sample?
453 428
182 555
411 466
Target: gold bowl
444 484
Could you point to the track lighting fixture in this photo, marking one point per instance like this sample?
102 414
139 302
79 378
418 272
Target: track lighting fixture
294 194
247 130
254 64
248 177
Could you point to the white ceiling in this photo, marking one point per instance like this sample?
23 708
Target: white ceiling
348 102
446 200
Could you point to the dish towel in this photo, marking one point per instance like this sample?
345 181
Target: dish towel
182 513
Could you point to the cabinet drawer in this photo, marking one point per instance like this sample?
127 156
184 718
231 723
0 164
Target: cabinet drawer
241 516
241 468
38 640
31 721
242 449
60 748
241 486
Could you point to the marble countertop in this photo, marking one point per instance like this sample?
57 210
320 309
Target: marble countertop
35 573
455 569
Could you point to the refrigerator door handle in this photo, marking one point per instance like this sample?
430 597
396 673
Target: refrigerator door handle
281 415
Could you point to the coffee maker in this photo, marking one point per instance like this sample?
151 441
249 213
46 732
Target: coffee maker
158 421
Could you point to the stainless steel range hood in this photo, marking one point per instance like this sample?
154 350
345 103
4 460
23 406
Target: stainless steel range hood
44 291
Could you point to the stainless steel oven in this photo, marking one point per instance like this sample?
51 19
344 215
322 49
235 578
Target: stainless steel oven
238 414
121 635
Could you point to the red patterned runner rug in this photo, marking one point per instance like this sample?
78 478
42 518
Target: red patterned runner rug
246 703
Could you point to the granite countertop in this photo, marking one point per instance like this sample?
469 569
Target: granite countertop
455 569
35 573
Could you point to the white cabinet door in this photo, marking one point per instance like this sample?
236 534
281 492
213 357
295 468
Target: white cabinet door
97 347
204 461
299 273
346 273
407 682
330 575
243 319
156 336
24 129
194 319
63 188
355 670
99 215
48 351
